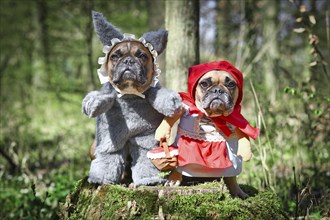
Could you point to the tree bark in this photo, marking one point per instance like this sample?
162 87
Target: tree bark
223 30
156 20
181 19
270 35
44 35
88 6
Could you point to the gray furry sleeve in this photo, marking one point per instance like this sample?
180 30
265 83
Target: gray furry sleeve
165 101
98 102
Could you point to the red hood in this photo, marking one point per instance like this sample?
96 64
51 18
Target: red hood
235 118
197 71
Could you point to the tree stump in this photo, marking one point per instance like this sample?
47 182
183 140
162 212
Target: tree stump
203 201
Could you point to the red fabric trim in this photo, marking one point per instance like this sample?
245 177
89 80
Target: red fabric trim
235 118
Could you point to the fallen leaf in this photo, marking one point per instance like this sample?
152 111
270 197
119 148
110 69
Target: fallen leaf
313 63
299 30
312 19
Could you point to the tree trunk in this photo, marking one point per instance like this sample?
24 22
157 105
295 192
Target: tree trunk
181 20
89 29
271 57
204 201
222 29
44 35
156 18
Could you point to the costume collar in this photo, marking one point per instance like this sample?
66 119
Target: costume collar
122 93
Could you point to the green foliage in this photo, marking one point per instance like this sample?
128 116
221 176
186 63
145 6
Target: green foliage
30 199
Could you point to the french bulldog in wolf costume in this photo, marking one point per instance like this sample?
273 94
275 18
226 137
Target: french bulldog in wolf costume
130 105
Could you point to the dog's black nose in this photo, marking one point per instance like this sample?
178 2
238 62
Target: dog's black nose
217 90
129 60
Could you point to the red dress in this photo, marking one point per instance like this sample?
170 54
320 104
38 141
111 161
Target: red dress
203 149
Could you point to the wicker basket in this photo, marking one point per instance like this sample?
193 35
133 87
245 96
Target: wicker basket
164 157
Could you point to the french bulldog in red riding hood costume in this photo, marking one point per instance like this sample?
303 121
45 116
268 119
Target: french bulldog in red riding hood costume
211 126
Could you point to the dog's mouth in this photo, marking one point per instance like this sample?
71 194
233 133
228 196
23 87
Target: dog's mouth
218 107
128 74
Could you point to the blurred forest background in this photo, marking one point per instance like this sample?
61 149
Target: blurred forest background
48 63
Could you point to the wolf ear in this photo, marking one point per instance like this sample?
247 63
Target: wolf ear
105 30
158 39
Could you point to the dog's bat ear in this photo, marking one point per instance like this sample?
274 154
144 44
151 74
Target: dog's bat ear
158 39
104 29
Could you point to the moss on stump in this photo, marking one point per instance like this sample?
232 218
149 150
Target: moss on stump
203 201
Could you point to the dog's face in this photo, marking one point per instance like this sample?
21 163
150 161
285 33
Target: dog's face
216 93
130 67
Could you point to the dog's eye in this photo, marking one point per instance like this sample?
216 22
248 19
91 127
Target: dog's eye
204 84
231 85
142 56
114 57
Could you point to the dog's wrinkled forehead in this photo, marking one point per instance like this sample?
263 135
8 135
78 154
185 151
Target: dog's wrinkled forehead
132 47
218 76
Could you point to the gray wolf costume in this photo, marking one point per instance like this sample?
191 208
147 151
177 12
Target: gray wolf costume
130 105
